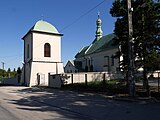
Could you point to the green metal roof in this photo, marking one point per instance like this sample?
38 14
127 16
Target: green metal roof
43 26
104 43
81 52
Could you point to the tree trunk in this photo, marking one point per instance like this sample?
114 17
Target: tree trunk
145 80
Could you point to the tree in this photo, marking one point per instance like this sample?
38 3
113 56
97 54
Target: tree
9 72
19 70
19 74
145 34
14 73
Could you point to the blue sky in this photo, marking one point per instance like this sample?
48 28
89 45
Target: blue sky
18 16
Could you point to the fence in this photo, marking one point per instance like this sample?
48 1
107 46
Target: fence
9 81
70 78
153 80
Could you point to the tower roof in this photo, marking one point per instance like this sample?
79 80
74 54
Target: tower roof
43 26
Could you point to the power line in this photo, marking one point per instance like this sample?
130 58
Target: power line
11 56
76 20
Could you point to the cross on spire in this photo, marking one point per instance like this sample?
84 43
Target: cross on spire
42 17
98 14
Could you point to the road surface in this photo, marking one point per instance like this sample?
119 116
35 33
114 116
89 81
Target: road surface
22 103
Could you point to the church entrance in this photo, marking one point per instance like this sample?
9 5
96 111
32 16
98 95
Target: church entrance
40 79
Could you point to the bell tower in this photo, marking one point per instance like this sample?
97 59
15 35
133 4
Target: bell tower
42 53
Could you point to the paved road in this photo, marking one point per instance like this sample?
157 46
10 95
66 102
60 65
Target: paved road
50 104
17 105
6 115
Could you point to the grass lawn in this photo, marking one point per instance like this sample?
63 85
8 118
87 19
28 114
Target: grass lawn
111 87
107 87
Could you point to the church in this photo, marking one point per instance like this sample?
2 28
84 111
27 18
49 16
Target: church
98 56
42 54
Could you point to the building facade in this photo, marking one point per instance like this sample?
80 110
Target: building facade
99 56
42 54
70 67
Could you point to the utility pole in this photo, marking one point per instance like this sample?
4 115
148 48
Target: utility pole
3 69
130 52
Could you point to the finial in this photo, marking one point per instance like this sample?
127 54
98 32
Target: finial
99 29
98 14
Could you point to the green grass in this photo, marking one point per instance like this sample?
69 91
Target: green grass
107 87
110 87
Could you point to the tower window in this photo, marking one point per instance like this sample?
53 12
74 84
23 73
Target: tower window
47 50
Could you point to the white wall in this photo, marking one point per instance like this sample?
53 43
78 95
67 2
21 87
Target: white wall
69 68
39 64
39 41
55 81
43 69
27 68
27 41
90 76
98 60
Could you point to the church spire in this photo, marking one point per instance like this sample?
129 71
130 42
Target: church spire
99 29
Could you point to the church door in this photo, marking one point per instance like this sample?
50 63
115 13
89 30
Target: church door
38 79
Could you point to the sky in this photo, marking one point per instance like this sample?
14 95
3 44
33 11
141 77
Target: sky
76 19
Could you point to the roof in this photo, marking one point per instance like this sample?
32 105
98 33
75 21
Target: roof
81 52
43 26
104 43
72 62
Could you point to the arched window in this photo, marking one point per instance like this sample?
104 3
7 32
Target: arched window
47 50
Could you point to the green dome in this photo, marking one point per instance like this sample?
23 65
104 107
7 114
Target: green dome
43 26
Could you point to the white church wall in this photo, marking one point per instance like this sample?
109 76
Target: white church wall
99 61
69 78
27 73
43 69
39 41
36 65
69 68
28 47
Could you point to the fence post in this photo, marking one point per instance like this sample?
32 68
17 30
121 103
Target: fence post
72 78
104 78
158 81
49 80
85 79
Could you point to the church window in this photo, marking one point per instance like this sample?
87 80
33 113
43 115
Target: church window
112 63
47 50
